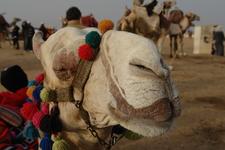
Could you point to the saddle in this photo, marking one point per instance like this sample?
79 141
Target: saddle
175 16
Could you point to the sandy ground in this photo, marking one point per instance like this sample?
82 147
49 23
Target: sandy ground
200 80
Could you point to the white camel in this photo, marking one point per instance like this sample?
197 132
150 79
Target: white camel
148 20
178 29
129 85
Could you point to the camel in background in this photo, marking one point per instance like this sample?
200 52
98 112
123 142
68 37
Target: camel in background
3 29
148 20
179 24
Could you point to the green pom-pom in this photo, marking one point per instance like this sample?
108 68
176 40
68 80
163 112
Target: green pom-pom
132 135
47 95
59 144
93 39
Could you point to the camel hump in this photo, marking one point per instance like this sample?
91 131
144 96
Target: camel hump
175 16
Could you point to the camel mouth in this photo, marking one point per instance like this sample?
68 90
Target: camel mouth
149 127
161 110
160 118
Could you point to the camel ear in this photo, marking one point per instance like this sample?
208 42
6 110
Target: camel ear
37 43
188 14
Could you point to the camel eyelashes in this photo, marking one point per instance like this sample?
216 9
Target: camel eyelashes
143 68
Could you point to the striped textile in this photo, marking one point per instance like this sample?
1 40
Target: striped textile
10 116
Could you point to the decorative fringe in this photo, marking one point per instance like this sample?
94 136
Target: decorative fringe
36 93
17 139
30 92
32 83
47 95
30 131
59 144
28 100
132 136
40 114
46 142
51 123
40 78
29 109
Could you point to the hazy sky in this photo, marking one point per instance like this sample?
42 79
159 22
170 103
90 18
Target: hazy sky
48 11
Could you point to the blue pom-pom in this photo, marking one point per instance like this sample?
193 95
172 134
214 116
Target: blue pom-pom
30 131
32 83
93 39
46 142
28 100
36 93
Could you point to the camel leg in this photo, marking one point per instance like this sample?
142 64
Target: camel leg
171 41
160 42
175 45
181 45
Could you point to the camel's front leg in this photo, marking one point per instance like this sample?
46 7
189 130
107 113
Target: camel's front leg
171 48
181 45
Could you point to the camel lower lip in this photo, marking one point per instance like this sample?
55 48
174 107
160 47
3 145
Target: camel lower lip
161 110
125 118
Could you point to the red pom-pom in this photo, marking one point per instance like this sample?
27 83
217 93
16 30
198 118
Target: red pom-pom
39 115
40 78
85 52
29 109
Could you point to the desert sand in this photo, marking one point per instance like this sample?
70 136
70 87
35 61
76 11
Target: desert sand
200 80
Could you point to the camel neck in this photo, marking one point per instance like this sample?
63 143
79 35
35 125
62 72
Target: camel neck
184 23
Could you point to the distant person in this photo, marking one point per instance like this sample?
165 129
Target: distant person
15 36
73 16
43 29
15 80
218 40
29 33
24 28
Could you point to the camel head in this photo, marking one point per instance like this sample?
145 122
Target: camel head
169 4
192 16
129 83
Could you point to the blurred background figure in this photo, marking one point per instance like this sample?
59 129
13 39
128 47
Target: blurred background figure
73 16
218 40
24 28
15 36
29 32
43 29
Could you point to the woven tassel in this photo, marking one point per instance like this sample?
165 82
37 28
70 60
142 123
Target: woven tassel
36 93
29 109
30 92
51 123
40 114
46 142
32 83
47 95
30 131
59 144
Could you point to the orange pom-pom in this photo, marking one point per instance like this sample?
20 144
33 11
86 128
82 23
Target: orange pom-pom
30 92
105 25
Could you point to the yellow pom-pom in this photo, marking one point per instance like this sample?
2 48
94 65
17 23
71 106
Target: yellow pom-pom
59 144
47 95
30 92
105 25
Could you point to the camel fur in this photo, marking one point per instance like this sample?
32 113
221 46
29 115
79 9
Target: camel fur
129 85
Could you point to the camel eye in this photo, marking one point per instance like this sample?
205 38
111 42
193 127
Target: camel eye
144 68
63 74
